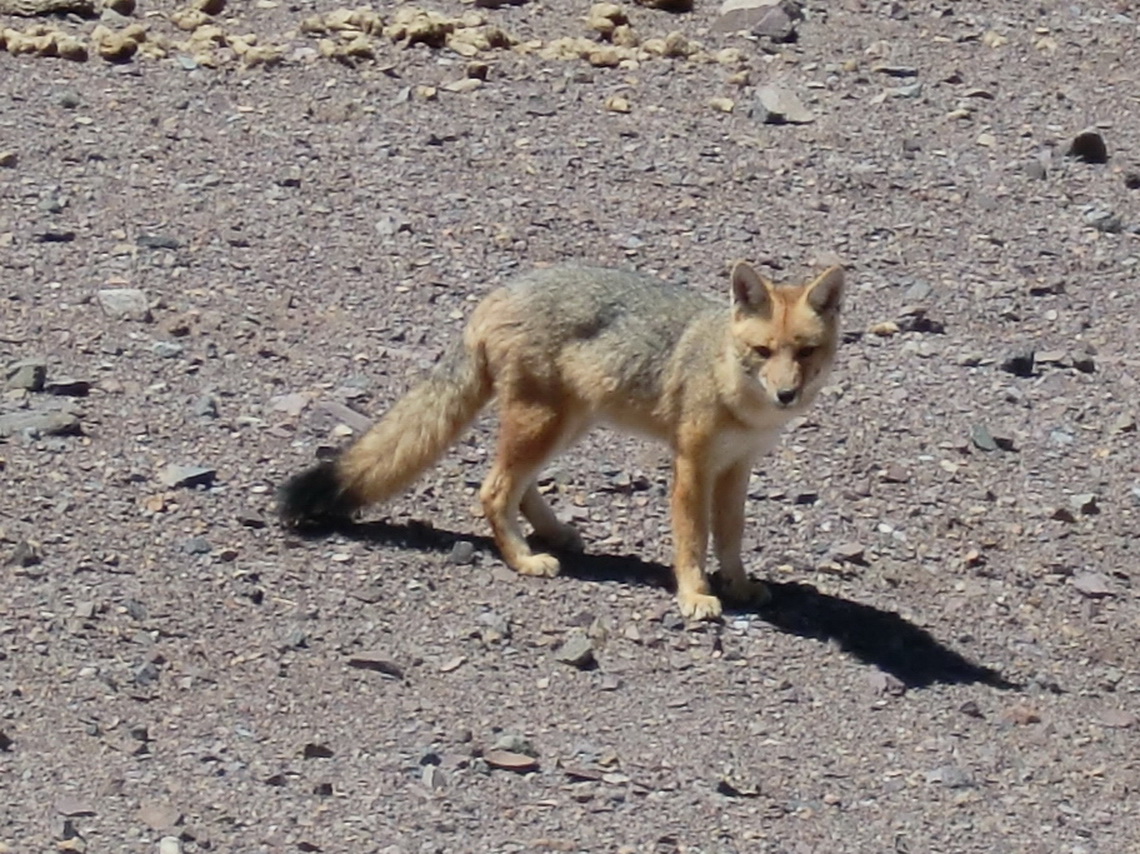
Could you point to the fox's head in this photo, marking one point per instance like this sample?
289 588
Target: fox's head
786 335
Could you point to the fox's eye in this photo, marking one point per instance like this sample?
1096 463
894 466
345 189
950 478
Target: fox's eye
763 352
805 352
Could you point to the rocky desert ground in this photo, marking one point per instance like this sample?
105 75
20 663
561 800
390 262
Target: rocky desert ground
232 235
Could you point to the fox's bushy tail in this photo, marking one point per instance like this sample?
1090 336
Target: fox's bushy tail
408 439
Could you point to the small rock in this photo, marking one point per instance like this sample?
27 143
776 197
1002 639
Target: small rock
314 750
971 708
514 743
167 349
175 476
453 663
9 159
169 845
896 70
1124 423
369 594
886 683
462 553
1036 170
25 554
895 473
736 15
125 304
205 406
850 552
378 662
1019 364
159 816
1088 147
496 627
39 423
432 777
1021 715
197 546
982 438
292 404
577 651
950 776
28 374
1104 220
510 761
1084 362
776 106
54 235
731 787
776 24
1132 180
1118 718
74 807
158 241
5 742
1085 502
1094 585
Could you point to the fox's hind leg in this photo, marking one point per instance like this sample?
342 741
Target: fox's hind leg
531 432
546 524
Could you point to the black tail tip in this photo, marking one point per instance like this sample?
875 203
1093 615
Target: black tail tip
314 498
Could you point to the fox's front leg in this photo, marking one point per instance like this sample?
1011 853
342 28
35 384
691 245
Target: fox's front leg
692 494
729 496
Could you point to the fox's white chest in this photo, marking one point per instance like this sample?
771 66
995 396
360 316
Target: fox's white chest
737 445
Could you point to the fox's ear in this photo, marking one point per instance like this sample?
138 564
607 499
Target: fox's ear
825 294
750 291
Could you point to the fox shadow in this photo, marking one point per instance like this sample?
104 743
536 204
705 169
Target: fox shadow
874 636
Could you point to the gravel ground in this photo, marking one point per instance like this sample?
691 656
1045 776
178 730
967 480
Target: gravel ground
949 664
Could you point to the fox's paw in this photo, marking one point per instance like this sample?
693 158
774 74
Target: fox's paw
698 606
543 565
746 591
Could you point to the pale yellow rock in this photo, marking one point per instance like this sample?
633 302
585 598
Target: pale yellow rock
189 19
624 36
729 56
884 329
262 55
427 93
467 84
677 46
617 104
604 57
71 48
722 104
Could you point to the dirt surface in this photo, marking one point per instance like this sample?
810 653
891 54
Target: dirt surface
950 661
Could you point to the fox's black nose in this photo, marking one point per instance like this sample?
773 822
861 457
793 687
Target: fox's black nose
786 396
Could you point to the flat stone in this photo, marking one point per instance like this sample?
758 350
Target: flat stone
42 423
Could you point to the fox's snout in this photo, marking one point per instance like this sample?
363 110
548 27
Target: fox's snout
787 396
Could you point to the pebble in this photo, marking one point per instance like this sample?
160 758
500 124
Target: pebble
125 304
462 553
9 159
167 349
1019 364
775 105
174 476
28 374
39 423
577 651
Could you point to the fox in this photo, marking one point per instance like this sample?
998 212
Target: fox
564 348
